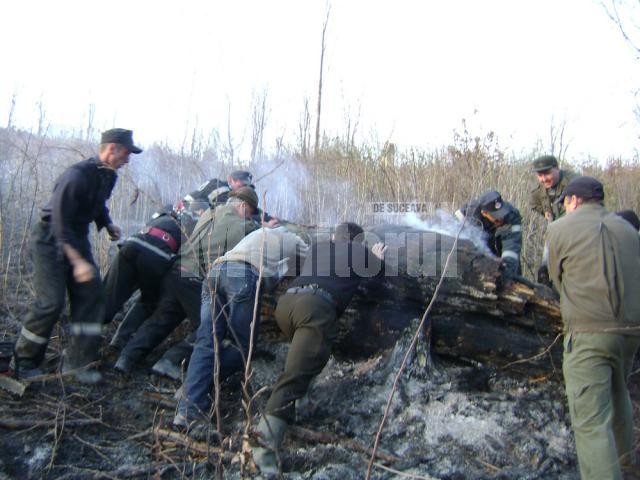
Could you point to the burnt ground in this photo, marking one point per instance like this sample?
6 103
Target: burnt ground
453 420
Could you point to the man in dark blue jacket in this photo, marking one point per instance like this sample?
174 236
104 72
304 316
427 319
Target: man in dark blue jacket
502 225
63 263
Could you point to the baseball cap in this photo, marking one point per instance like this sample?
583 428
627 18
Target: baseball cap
492 203
584 187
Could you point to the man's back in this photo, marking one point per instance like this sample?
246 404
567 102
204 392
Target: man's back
338 267
217 231
594 260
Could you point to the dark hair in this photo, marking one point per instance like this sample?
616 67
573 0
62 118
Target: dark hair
631 217
347 231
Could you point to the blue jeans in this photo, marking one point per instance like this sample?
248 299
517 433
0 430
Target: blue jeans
233 286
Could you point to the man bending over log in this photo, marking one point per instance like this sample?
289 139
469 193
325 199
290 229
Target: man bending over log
307 314
501 222
228 302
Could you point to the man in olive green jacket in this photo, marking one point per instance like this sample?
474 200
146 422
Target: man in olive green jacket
551 183
594 261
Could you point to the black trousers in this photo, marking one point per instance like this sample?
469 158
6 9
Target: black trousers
53 281
134 267
181 297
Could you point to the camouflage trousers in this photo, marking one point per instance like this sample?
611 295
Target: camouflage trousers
596 368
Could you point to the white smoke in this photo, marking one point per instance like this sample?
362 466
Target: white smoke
281 180
446 223
296 193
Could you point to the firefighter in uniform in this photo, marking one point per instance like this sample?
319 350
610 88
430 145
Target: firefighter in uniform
141 262
594 262
201 201
501 223
63 263
217 193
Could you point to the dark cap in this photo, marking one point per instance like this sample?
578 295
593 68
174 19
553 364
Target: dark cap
207 187
122 137
491 202
544 163
631 217
242 176
195 196
246 194
584 187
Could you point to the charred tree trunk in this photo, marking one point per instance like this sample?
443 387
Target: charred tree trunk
480 313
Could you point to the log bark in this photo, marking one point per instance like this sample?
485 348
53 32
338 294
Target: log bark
480 313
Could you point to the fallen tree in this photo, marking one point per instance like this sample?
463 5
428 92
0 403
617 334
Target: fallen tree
481 313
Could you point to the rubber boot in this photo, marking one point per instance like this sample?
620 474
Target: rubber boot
88 376
124 364
133 319
24 368
271 430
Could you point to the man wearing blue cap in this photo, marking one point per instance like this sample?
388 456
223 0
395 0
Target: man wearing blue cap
501 222
594 262
63 263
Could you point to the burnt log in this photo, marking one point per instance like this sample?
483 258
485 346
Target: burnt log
481 313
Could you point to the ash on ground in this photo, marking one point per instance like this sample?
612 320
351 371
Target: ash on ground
449 420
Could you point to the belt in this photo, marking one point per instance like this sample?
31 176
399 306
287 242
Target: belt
314 289
164 236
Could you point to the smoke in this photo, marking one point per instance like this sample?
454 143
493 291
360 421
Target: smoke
279 181
301 194
445 223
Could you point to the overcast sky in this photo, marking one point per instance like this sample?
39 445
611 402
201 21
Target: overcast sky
408 70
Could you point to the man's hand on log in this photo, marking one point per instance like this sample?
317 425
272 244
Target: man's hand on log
379 250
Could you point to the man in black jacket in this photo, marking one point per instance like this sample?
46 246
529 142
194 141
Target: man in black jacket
307 314
141 263
63 262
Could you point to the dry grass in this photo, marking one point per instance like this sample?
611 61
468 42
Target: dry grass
340 183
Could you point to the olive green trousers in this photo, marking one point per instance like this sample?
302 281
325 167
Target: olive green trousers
309 322
596 368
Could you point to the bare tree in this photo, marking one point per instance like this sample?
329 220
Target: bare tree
230 148
626 15
91 113
258 124
42 116
322 50
351 124
627 24
304 130
558 146
12 110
